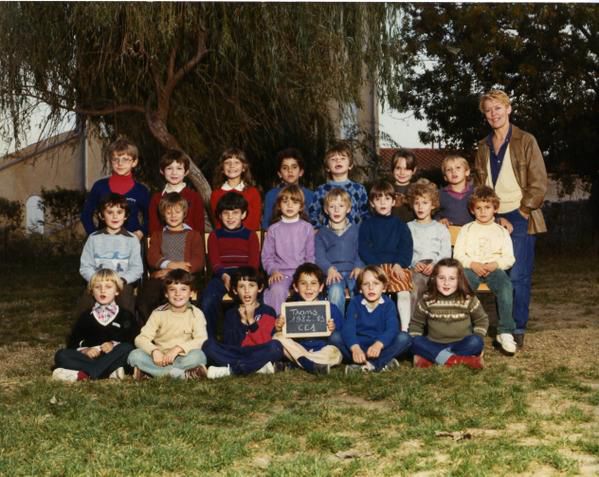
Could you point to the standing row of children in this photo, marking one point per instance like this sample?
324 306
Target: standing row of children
377 251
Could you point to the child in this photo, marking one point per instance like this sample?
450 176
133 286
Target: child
233 174
174 166
315 355
403 168
123 156
247 342
177 246
229 247
337 248
371 336
170 343
431 240
454 197
385 240
102 337
338 161
454 320
288 243
485 250
290 168
114 248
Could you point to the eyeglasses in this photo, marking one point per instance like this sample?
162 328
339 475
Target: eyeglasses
121 160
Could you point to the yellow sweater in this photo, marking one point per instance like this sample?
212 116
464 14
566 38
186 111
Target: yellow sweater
484 243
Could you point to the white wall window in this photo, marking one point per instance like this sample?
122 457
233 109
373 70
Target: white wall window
34 215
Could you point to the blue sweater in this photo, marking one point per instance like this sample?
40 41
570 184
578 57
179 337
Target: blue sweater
359 202
138 199
385 239
364 327
340 251
271 199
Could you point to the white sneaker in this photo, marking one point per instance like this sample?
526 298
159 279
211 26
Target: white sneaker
215 372
118 373
62 374
268 368
507 343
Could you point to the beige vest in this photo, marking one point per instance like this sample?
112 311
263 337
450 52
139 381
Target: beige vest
506 188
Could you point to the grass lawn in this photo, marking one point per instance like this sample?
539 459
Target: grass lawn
535 414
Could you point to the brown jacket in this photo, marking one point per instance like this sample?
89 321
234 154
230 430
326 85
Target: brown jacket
530 172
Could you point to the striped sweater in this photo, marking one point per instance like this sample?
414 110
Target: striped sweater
449 320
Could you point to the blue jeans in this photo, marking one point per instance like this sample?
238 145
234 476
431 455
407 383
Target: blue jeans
398 346
243 359
521 272
471 345
336 291
501 286
142 360
210 303
97 368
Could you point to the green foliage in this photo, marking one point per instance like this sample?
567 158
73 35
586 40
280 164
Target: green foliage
11 213
544 56
62 208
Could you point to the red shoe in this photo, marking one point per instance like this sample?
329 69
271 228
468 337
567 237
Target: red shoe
474 362
420 362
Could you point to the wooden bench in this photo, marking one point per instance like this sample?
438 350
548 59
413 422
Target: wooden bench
454 230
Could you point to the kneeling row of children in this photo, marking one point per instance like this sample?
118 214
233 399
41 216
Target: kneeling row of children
174 342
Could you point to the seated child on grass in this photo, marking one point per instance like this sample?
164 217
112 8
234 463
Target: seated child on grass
431 240
102 337
229 247
174 166
486 252
290 169
449 322
454 209
371 336
247 345
337 248
175 246
170 343
403 168
114 248
315 355
386 241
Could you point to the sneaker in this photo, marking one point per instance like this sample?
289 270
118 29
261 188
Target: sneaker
421 362
118 373
139 375
62 374
215 372
519 339
282 366
199 372
354 369
321 368
268 368
507 343
391 365
474 362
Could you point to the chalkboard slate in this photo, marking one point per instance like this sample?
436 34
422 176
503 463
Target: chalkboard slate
306 318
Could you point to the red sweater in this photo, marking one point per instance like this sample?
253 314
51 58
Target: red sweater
194 250
252 195
232 249
195 212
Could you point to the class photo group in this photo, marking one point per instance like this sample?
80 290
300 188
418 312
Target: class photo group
397 265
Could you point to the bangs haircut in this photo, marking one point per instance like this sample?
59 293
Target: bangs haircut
381 188
463 290
422 188
454 158
105 275
122 146
232 153
231 201
295 193
249 274
178 276
308 269
494 95
342 148
174 156
114 200
170 200
290 153
335 193
377 271
483 194
409 156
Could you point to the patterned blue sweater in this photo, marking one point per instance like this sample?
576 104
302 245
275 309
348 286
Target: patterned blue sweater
359 202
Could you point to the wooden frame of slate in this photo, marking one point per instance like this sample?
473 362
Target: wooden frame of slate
304 319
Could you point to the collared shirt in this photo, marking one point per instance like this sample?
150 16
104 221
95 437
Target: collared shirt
122 231
239 187
173 188
496 160
365 302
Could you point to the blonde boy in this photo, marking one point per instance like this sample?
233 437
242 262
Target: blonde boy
454 197
485 250
338 163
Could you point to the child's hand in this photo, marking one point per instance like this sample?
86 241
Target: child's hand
479 269
333 276
355 272
275 277
139 234
506 224
331 325
490 267
427 269
158 357
419 267
357 354
92 352
106 347
375 350
174 265
246 310
398 272
226 278
445 222
170 355
280 323
160 273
